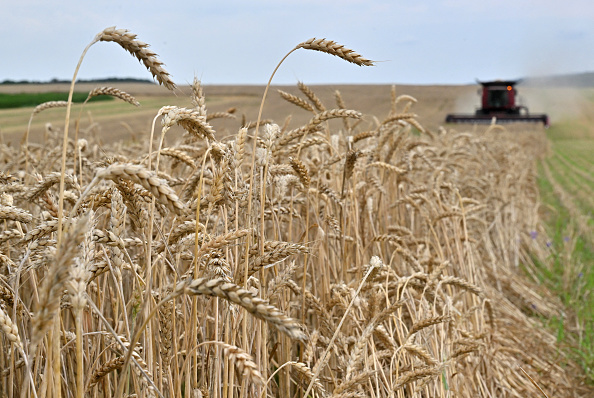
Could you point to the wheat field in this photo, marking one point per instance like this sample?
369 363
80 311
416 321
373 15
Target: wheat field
352 256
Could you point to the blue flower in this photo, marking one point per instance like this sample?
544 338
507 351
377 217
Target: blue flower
533 234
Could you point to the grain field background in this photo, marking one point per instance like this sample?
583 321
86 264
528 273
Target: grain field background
347 245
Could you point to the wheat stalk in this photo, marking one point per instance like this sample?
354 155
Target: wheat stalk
56 281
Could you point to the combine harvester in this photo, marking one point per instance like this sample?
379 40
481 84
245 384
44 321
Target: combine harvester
499 106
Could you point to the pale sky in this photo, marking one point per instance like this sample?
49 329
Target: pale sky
241 41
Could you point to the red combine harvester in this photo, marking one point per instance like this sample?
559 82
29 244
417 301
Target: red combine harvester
499 105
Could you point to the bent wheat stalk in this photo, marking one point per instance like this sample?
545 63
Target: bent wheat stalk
137 48
38 109
325 46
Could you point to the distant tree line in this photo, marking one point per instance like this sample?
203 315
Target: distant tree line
105 80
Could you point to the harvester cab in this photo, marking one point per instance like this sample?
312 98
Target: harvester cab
498 104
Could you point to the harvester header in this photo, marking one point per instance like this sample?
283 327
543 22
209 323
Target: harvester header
498 104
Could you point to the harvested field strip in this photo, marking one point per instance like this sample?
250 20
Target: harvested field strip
581 189
582 173
570 272
568 202
579 183
567 207
579 150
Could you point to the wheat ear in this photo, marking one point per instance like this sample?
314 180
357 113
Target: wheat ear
243 362
14 213
148 179
333 48
189 119
10 330
296 100
140 50
48 105
48 181
36 110
237 295
412 375
424 323
113 92
198 99
275 252
114 364
301 171
315 100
